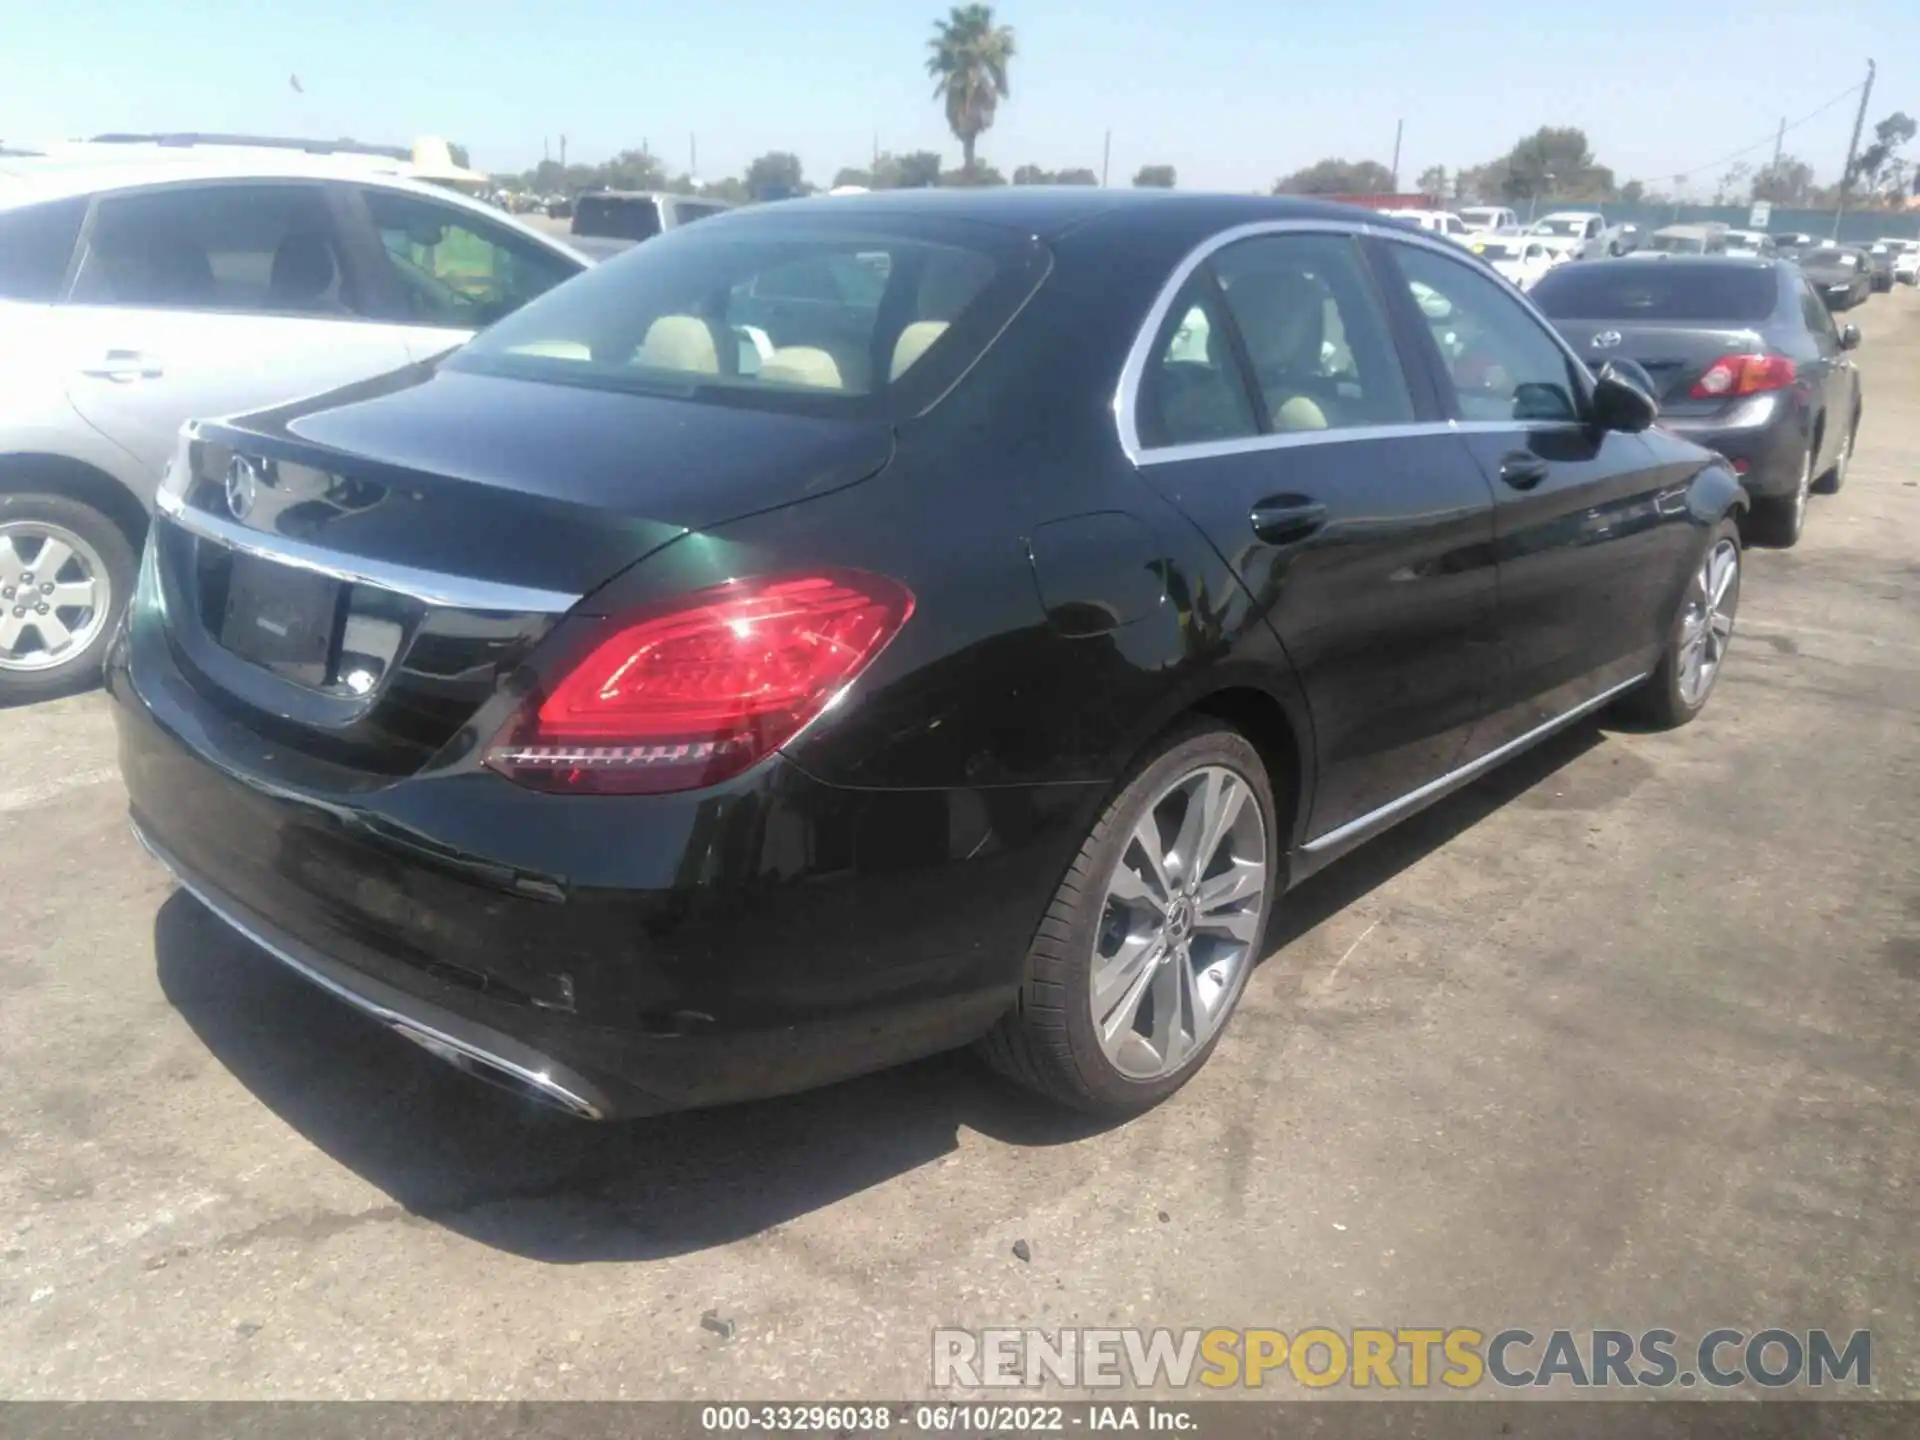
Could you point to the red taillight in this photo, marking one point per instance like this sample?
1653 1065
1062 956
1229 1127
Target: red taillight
1743 375
691 693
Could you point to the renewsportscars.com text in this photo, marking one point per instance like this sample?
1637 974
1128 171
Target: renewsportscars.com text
1456 1358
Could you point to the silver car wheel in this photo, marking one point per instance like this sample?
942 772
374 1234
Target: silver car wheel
1177 930
1706 625
55 595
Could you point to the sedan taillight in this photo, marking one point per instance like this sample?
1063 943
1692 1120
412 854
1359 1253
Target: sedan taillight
690 693
1743 375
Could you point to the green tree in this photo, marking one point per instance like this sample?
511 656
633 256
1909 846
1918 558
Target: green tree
1879 164
1154 177
848 175
1033 175
978 173
1079 175
1633 192
1337 177
1786 181
916 170
1433 180
1554 161
732 189
969 69
775 176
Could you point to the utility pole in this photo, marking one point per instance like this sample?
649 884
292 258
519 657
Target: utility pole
563 152
693 156
1853 145
1399 128
1106 156
1779 142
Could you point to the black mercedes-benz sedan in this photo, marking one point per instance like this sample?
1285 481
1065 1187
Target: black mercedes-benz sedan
849 629
1744 358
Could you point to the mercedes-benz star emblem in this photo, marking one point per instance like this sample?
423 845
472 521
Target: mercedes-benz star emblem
1607 339
243 486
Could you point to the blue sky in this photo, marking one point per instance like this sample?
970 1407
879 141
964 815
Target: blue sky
1232 92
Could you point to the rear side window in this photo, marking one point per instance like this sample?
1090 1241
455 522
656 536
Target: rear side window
36 242
832 318
1639 291
616 217
265 248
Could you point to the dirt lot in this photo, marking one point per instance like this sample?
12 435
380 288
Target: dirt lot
1628 1035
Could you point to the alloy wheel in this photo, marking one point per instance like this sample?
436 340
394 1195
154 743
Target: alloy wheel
1178 927
1706 625
55 595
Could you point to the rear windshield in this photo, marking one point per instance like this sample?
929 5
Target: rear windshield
1667 244
616 217
1623 290
829 316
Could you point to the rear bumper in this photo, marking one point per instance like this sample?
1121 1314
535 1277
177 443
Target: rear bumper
1765 437
612 955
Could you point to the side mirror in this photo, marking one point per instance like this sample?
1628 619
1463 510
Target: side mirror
1623 398
1849 337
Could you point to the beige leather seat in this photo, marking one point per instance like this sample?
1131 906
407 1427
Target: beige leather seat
680 342
802 365
914 342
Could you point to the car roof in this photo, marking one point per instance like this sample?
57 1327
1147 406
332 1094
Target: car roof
91 170
33 179
1047 211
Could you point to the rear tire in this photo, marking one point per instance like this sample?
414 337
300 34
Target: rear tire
1697 639
58 605
1779 521
1162 942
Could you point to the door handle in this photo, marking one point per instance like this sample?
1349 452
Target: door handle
1523 471
123 367
1284 519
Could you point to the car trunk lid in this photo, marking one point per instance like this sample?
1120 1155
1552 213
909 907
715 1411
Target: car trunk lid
356 574
1675 355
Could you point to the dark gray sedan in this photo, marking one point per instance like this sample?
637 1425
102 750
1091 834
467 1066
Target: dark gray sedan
1840 273
1744 358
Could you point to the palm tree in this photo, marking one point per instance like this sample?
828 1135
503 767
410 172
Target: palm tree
969 69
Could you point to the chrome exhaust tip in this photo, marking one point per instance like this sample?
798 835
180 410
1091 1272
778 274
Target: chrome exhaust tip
532 1084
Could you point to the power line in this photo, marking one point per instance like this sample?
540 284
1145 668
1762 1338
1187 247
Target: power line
1770 139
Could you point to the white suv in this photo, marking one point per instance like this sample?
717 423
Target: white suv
138 291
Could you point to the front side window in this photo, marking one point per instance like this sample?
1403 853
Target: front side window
1819 319
36 242
270 249
842 318
455 270
1315 333
1502 363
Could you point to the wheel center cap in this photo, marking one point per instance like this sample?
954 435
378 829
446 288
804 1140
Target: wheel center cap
1180 919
